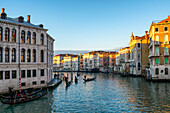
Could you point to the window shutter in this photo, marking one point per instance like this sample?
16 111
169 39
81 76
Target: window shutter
157 49
157 61
166 49
166 60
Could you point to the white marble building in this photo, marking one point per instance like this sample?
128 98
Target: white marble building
26 51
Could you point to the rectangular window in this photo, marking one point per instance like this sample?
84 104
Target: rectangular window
156 29
42 82
165 28
157 50
34 73
28 73
166 60
14 74
157 60
42 72
23 84
34 83
1 75
22 73
7 74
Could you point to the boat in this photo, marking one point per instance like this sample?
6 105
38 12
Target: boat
30 92
23 100
89 79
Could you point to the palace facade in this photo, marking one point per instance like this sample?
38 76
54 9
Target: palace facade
26 52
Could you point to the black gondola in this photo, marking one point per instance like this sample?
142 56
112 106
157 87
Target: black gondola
7 96
89 79
23 100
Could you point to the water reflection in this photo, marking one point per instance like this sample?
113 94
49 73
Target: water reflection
108 93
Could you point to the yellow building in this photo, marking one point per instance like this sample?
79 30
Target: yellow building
58 62
139 54
159 34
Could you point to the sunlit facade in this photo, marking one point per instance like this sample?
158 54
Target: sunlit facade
159 58
122 60
58 62
139 54
26 52
68 62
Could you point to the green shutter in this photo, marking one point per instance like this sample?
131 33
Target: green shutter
166 60
157 49
166 49
157 61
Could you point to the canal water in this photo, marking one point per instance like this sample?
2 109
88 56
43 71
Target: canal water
108 93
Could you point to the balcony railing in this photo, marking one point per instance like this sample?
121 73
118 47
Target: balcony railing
166 54
166 42
156 43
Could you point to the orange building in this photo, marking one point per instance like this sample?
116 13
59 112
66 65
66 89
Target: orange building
159 34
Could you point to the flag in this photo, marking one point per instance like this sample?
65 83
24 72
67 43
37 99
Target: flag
13 33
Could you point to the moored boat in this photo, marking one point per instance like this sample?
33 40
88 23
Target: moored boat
29 93
24 99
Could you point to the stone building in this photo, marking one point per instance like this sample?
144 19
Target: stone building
26 52
139 54
159 57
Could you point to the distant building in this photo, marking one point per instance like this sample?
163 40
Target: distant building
103 61
122 60
26 52
68 62
90 61
112 61
58 62
159 34
77 63
139 53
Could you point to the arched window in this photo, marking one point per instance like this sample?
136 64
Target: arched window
156 38
22 36
34 55
7 34
166 71
166 38
28 55
1 34
28 37
42 56
1 55
13 35
23 55
42 39
7 55
13 55
34 38
157 71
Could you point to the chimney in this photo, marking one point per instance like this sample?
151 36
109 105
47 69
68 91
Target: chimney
3 10
146 34
28 18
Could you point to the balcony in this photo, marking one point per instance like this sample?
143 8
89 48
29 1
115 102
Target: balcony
166 54
166 42
157 43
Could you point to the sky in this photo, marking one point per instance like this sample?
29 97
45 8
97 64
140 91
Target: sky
90 24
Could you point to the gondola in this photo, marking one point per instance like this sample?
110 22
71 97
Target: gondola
23 100
7 96
89 79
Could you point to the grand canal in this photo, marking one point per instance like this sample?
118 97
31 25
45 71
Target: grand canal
108 93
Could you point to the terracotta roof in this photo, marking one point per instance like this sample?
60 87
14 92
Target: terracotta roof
167 19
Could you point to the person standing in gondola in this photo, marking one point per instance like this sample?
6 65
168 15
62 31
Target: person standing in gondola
11 92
